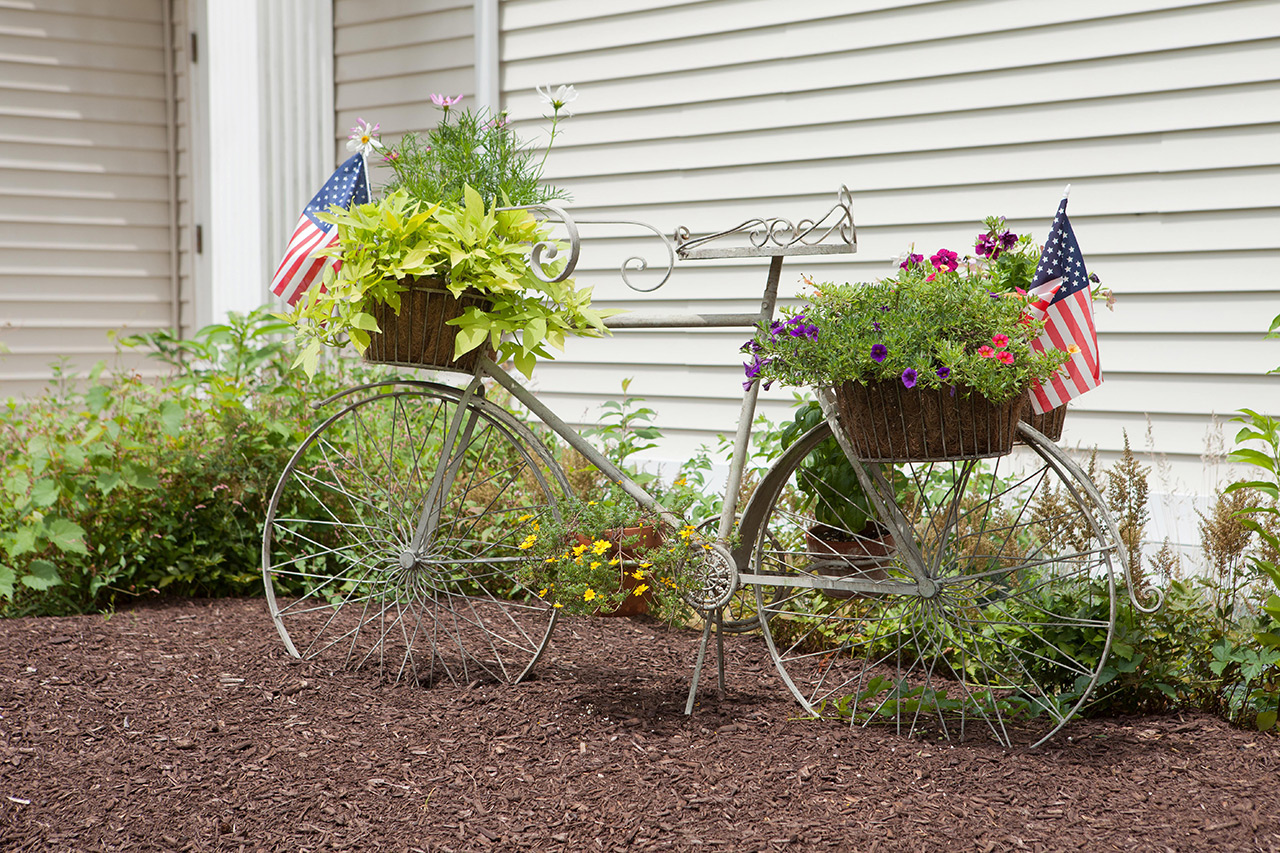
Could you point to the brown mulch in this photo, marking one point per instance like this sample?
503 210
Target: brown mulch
185 726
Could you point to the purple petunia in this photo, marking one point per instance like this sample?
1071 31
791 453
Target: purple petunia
986 246
1008 239
909 377
875 326
878 352
945 259
911 261
943 372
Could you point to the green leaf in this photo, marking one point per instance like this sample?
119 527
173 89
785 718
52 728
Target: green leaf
138 476
107 481
24 539
7 580
44 493
364 321
66 535
1253 457
524 362
171 417
41 575
1266 721
469 337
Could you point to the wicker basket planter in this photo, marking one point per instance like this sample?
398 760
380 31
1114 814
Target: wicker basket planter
1050 423
420 336
890 423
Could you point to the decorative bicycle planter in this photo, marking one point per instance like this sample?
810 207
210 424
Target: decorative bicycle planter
393 539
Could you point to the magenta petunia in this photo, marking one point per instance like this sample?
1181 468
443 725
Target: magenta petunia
1000 340
1005 357
945 259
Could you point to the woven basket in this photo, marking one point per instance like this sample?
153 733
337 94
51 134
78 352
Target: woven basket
420 336
889 423
1050 423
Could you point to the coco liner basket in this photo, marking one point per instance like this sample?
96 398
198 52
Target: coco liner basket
888 422
420 335
1049 423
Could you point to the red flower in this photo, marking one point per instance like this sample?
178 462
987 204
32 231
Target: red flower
1000 341
1004 357
986 352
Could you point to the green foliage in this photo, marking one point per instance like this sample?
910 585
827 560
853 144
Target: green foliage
116 487
475 149
474 247
941 329
825 477
625 428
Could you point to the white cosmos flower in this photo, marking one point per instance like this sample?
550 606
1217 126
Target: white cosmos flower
559 99
364 138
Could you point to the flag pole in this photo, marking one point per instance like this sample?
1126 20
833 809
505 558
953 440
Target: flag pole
1067 192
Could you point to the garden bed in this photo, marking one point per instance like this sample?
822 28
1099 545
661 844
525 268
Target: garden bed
185 726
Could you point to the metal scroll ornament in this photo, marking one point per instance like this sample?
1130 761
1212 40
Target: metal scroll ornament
545 255
832 233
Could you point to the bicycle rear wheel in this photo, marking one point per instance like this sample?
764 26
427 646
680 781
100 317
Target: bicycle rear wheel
341 574
1010 630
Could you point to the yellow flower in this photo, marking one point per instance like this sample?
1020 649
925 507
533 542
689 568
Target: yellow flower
578 550
595 564
589 595
557 605
591 503
688 531
542 592
706 547
646 565
638 575
600 546
642 589
535 526
551 559
577 561
680 481
528 542
525 517
614 561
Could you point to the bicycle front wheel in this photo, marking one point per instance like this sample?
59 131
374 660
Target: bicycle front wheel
992 604
343 576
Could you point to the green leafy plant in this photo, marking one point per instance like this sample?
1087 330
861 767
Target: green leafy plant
935 325
475 249
478 149
827 481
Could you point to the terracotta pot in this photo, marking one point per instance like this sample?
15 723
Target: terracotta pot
420 335
1050 422
866 556
645 536
887 422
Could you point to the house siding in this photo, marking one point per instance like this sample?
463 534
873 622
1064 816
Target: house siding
86 203
1164 116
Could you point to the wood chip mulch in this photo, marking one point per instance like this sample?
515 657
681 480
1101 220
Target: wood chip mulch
185 726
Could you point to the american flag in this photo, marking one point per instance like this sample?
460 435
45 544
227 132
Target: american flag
347 186
1065 304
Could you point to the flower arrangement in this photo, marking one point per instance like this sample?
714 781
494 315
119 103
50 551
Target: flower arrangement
603 552
947 322
441 216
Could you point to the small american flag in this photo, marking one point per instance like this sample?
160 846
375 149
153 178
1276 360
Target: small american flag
347 186
1065 304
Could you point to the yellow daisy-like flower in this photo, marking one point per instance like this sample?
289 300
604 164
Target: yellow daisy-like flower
679 481
525 517
551 559
557 605
589 595
706 547
528 542
542 592
595 564
600 546
578 550
688 531
592 503
646 565
638 575
642 589
614 561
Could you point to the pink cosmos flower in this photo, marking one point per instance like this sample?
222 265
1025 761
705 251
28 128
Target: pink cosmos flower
444 101
986 352
1000 341
1005 357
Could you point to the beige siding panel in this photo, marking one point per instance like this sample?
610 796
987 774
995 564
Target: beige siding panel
1164 115
85 238
391 55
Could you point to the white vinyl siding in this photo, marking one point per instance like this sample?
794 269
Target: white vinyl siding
391 55
86 237
1163 115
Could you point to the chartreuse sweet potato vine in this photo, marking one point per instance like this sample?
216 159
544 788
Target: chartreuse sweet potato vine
475 248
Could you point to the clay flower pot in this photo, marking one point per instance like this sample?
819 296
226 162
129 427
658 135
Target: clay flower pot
865 556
